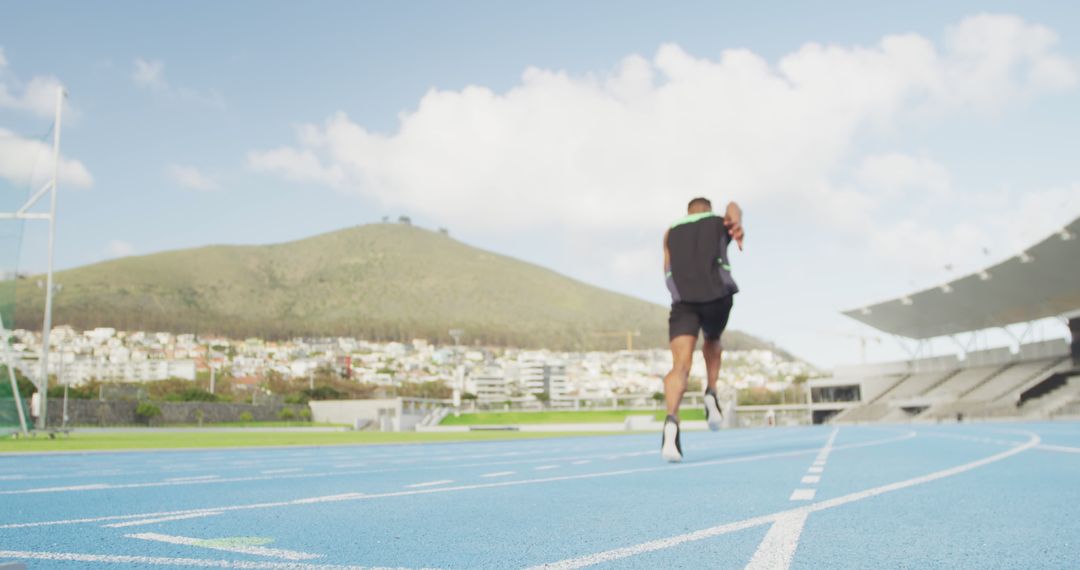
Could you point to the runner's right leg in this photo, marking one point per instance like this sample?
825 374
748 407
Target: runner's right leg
682 352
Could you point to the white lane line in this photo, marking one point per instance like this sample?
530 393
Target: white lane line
778 547
226 545
429 484
11 477
359 496
274 471
815 470
581 462
665 543
803 495
819 464
810 479
325 499
546 467
193 478
163 519
166 561
1060 448
498 474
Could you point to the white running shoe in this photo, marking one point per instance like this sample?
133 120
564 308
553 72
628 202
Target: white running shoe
670 448
713 415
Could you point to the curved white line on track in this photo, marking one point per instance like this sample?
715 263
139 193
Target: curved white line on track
359 496
665 543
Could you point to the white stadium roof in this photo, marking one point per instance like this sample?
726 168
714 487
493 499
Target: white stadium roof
1043 281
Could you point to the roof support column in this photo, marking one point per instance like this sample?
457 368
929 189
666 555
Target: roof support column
1074 326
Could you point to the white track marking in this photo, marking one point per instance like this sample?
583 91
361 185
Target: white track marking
360 496
194 478
810 479
546 467
581 462
1059 448
665 543
815 470
498 474
164 561
429 484
11 477
778 547
275 471
225 546
327 499
164 519
803 495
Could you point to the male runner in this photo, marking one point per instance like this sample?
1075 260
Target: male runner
699 278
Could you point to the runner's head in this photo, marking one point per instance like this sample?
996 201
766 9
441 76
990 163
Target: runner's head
699 205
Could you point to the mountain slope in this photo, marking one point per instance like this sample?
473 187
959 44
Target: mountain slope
378 281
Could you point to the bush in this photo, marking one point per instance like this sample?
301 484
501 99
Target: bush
286 414
305 414
192 395
246 417
146 411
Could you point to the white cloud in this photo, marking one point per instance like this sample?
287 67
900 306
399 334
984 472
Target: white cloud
37 96
191 178
118 248
634 143
30 162
896 172
150 74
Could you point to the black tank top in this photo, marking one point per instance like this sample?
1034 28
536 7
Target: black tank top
699 270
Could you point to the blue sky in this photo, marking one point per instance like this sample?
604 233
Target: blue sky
870 145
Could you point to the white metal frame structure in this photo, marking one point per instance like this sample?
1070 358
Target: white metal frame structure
1041 282
24 213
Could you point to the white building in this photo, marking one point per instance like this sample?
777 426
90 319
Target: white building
81 370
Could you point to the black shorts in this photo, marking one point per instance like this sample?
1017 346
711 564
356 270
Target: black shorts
710 317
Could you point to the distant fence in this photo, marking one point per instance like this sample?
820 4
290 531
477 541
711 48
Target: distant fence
122 412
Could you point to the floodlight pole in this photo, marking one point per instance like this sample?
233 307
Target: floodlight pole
46 328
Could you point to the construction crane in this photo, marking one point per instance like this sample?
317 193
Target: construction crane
628 334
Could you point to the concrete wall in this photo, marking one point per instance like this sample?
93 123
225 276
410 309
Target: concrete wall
392 414
122 412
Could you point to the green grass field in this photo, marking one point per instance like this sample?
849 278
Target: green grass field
180 440
560 417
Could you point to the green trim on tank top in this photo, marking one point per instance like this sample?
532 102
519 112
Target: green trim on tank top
693 218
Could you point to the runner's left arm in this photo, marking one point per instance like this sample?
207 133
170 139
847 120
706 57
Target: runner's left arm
733 223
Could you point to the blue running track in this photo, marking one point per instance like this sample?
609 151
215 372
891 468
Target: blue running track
994 495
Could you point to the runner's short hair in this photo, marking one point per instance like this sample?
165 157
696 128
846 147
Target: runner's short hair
699 201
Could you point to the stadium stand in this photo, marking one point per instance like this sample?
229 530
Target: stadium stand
1036 379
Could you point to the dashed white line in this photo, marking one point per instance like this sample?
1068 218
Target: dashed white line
498 474
810 479
803 495
141 522
665 543
815 470
581 462
514 483
193 478
429 484
276 471
546 467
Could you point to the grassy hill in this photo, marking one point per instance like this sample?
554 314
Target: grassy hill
380 282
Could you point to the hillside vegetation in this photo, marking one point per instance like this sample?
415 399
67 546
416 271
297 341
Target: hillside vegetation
379 282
